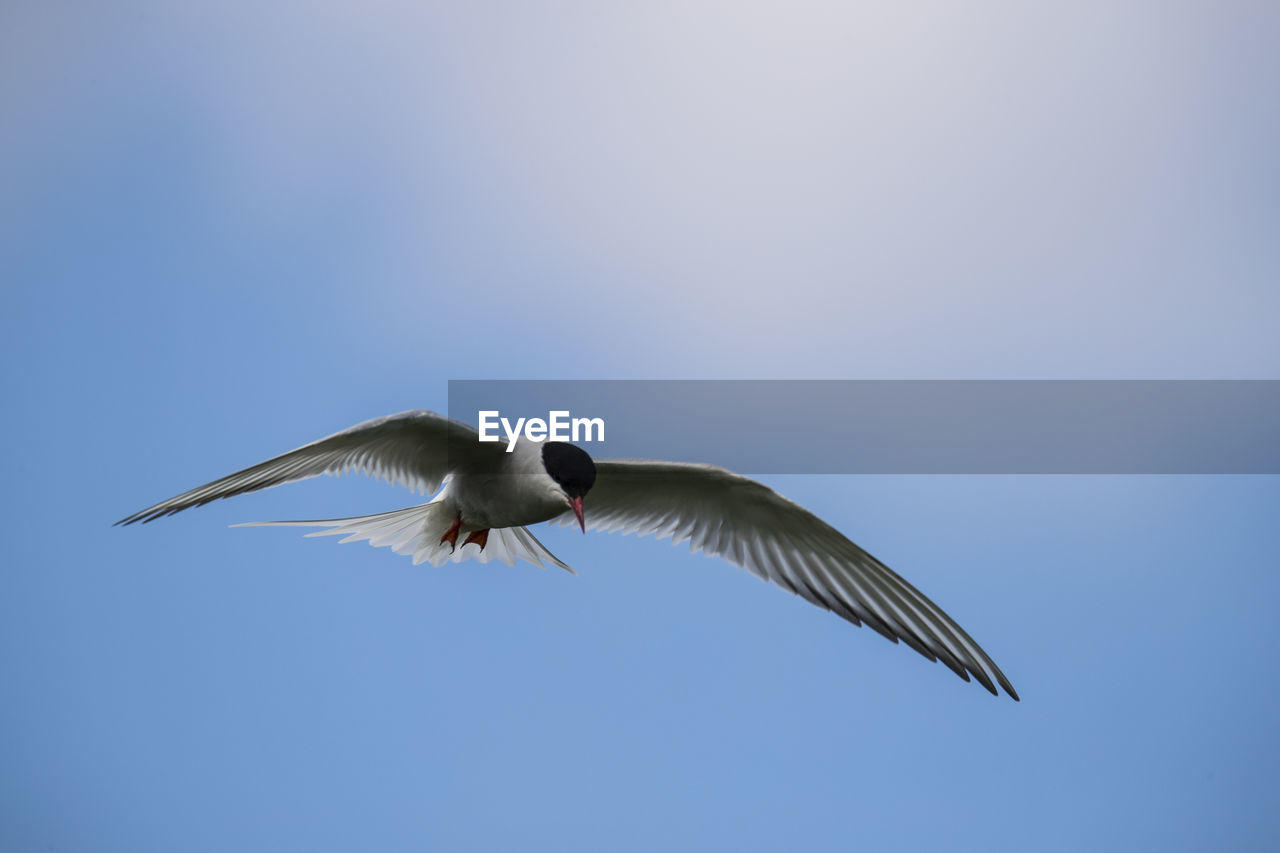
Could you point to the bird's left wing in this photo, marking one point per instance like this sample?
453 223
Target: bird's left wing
417 449
752 526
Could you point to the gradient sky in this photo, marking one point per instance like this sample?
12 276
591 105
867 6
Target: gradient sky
228 229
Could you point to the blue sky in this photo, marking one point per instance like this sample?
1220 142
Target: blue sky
227 229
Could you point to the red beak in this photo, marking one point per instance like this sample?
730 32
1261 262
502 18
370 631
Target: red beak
576 503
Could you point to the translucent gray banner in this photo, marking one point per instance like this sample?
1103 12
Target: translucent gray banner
901 426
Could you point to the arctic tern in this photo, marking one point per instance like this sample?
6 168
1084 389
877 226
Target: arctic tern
490 495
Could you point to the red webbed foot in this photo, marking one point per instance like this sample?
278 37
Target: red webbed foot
480 537
451 535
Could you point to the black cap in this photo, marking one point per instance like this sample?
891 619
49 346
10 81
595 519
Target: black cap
569 466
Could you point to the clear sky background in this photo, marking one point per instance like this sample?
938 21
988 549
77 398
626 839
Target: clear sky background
227 229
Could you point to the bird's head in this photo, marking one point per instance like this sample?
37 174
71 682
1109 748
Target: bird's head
573 471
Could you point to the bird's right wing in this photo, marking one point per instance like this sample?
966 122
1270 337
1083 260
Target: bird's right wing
750 525
417 449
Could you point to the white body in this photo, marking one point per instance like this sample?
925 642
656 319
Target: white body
529 495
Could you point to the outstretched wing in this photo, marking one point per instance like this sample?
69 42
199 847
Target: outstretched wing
417 449
752 526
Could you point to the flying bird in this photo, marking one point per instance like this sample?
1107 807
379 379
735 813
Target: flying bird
490 495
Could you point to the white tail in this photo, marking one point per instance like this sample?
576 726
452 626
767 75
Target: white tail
416 531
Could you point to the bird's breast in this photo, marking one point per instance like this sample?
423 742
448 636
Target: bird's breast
505 500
